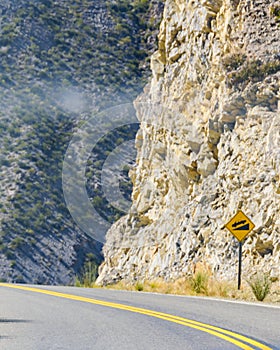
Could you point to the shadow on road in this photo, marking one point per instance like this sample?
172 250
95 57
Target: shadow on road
7 320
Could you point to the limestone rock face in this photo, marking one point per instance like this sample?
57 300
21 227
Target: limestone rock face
209 144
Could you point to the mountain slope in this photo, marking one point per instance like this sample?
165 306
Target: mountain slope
60 62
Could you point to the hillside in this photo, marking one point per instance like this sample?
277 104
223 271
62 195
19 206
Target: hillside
208 146
61 62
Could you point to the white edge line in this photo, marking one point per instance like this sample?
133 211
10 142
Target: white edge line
271 306
235 301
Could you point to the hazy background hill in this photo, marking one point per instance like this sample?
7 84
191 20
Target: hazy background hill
60 61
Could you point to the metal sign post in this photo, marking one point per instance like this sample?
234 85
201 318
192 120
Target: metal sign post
239 265
240 226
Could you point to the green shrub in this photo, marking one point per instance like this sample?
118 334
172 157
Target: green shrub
199 283
234 61
260 285
275 11
139 286
17 242
88 275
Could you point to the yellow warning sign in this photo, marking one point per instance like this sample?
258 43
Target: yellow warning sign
240 225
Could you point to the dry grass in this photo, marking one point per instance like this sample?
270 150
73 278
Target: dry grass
185 286
181 286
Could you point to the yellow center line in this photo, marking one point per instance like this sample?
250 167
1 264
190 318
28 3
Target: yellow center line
213 330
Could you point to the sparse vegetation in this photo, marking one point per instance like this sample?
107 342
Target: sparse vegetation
185 286
254 70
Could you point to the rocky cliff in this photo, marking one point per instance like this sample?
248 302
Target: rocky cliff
209 144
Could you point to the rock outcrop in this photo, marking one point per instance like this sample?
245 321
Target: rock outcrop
210 148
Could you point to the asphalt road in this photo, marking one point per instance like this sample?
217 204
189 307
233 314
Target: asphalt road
81 319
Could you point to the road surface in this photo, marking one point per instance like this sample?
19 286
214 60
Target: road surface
51 318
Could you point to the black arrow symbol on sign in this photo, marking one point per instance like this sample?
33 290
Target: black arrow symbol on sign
237 223
243 228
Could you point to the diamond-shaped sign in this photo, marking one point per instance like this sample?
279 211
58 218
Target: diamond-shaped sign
240 225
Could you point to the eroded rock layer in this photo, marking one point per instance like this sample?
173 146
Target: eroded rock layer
209 144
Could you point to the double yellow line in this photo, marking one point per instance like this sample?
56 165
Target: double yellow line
237 339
